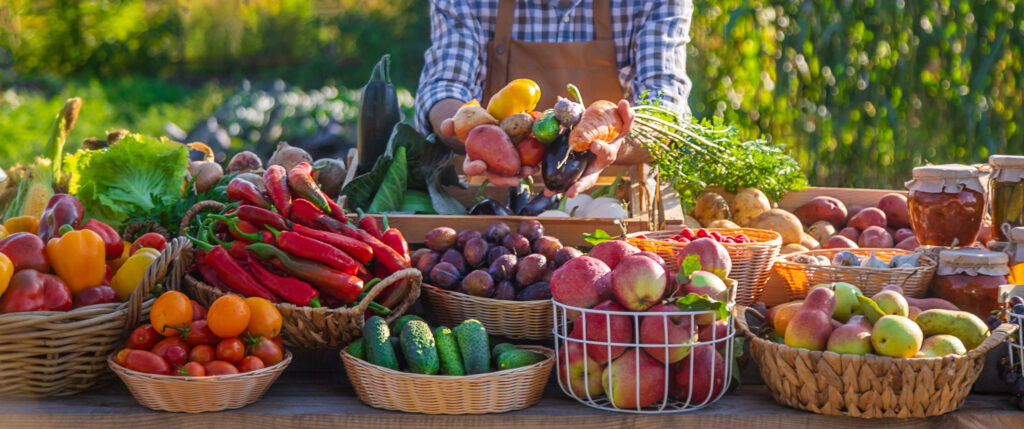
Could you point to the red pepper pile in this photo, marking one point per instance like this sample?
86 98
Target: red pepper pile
284 240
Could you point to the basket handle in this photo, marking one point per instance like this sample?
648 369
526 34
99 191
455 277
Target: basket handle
741 319
413 293
169 266
998 336
147 225
195 209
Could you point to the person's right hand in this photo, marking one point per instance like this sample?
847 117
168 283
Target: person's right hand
476 167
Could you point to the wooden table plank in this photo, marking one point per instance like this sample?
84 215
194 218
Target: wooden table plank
306 400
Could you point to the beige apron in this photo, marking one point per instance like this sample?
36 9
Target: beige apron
591 66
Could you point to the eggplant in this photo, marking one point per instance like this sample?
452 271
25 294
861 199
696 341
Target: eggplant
539 204
518 196
488 206
563 166
378 114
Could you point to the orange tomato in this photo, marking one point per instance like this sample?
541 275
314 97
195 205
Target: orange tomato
228 316
172 308
265 320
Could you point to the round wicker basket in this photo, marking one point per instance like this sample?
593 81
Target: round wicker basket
801 277
867 386
199 394
751 262
493 392
525 320
48 353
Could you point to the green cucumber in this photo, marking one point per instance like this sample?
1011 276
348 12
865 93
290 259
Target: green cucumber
357 348
517 358
419 348
379 350
397 325
448 352
472 339
498 349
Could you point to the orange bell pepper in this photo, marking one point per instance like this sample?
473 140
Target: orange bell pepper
22 224
78 257
6 272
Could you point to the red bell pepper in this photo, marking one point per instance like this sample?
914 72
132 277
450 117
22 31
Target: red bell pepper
151 240
262 218
369 224
357 249
26 250
340 285
290 289
95 295
31 290
111 239
311 248
107 275
243 190
300 180
232 273
275 180
62 209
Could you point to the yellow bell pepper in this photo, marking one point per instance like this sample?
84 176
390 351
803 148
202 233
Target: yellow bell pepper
131 272
520 95
116 262
78 258
22 224
6 272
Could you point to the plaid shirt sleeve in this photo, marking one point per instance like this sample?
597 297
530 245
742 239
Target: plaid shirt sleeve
453 61
660 55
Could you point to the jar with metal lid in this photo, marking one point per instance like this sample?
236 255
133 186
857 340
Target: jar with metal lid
1006 193
946 204
970 278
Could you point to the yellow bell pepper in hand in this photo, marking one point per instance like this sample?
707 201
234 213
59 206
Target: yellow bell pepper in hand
22 224
78 258
520 95
6 272
127 278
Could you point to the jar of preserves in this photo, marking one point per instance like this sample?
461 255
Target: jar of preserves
946 204
970 278
1006 193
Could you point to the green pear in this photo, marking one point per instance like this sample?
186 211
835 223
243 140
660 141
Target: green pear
870 309
896 336
852 338
846 301
970 329
941 345
891 302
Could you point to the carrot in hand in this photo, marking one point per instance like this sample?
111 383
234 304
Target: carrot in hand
600 121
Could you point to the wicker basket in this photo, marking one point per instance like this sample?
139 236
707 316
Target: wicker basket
48 353
868 386
801 277
493 392
751 262
199 394
525 320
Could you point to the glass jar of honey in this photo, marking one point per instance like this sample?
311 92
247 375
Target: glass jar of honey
970 278
946 204
1006 194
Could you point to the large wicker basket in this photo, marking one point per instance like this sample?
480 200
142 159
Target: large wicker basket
48 353
527 320
800 278
493 392
751 262
867 386
199 394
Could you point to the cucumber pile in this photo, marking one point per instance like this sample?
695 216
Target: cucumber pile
410 345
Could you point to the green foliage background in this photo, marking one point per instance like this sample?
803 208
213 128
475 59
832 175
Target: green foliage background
860 90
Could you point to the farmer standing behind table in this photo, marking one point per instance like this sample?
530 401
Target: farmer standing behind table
610 49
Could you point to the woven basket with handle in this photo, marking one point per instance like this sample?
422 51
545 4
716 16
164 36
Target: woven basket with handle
867 386
49 353
751 262
492 392
800 278
527 320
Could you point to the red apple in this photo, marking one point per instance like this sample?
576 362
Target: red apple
604 328
577 371
654 256
716 332
612 251
699 377
679 329
713 256
705 283
580 282
638 282
625 389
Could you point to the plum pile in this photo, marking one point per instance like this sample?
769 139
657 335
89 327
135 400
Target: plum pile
499 263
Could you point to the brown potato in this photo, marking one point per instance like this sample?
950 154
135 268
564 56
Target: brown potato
792 248
749 203
782 222
809 242
711 207
491 145
518 126
821 230
723 223
468 117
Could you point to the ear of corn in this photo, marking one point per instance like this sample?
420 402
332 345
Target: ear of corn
38 195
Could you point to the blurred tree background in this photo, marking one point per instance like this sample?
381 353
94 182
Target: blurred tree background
861 90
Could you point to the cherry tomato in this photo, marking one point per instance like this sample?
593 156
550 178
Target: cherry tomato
172 308
161 347
147 362
267 350
175 355
715 235
231 350
279 341
190 369
144 337
202 353
687 233
229 316
250 364
198 311
219 367
198 332
264 320
121 356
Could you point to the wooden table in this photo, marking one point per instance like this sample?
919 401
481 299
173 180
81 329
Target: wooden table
307 400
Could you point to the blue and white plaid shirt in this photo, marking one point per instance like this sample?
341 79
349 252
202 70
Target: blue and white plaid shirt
650 43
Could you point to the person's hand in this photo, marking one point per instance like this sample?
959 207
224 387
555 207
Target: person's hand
476 167
604 154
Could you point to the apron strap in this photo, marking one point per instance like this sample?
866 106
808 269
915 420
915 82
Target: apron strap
498 49
602 20
503 27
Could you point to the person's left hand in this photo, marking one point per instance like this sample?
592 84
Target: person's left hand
604 154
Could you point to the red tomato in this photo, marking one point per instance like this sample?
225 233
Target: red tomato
176 355
161 347
231 350
198 311
202 353
192 368
219 367
531 151
144 337
122 356
280 342
687 233
715 235
147 362
701 233
250 364
267 350
198 332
